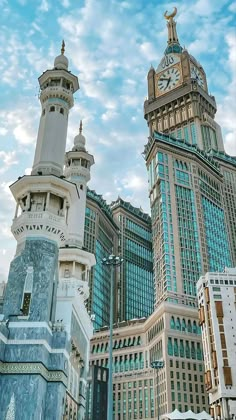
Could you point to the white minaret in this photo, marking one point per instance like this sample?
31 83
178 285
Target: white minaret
74 272
77 170
44 198
56 95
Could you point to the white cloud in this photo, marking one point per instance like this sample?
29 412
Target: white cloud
44 6
227 106
3 131
65 3
20 122
8 159
232 7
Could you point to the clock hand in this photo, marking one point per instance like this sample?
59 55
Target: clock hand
168 83
164 78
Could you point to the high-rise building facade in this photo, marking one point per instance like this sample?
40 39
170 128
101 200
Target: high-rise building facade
135 283
101 238
217 315
125 230
192 218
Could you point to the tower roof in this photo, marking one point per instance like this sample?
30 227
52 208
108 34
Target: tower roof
61 61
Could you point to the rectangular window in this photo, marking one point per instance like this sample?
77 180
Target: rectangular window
26 303
193 133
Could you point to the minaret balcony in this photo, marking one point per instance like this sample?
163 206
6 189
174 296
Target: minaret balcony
42 223
59 92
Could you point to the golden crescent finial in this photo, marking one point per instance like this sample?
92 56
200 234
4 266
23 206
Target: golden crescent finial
63 47
171 15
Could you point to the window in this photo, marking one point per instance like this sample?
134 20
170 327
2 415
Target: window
26 303
52 109
62 111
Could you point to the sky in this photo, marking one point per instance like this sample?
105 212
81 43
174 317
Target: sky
110 45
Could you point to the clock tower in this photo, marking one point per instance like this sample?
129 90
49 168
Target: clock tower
178 99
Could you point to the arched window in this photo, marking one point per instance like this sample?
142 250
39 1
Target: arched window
187 350
189 326
193 351
194 327
183 325
181 348
176 347
62 111
170 347
172 323
43 113
52 109
178 326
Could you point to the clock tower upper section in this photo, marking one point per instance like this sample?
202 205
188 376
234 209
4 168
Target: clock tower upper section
178 100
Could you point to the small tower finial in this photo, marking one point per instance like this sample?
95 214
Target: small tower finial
80 126
63 47
171 15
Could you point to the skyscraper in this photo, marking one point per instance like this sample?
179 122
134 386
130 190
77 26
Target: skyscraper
135 283
101 238
192 193
185 182
119 228
192 197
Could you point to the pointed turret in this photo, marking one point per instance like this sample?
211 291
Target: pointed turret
77 170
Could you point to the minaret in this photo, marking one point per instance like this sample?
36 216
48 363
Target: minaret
34 351
57 87
74 271
77 169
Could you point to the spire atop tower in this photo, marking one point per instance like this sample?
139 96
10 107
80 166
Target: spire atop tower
79 140
62 47
61 61
173 41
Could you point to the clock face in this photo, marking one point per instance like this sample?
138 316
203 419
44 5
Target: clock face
197 75
168 80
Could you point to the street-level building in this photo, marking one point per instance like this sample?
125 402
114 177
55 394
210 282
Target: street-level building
170 334
97 393
217 315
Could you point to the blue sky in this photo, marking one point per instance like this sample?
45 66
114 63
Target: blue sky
110 45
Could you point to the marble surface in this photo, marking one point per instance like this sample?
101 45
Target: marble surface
43 256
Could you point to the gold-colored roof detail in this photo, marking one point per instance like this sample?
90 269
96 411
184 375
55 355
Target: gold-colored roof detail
171 15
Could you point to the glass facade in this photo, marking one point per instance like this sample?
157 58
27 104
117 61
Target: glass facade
136 275
138 271
100 238
188 217
216 236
